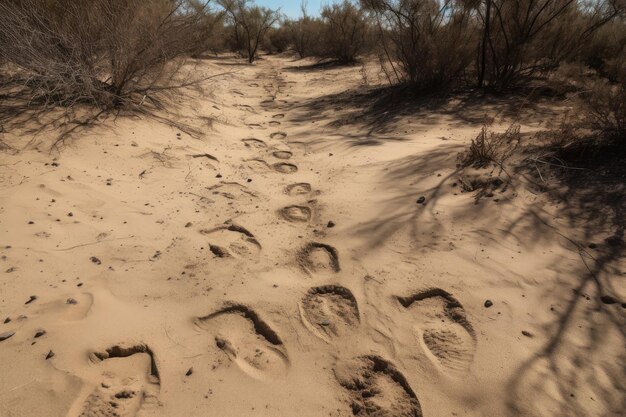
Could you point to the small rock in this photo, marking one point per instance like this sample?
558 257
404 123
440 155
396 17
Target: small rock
95 260
526 333
31 299
31 222
189 372
50 355
488 303
39 333
71 301
607 299
7 320
218 176
421 200
4 336
188 224
249 179
330 224
221 343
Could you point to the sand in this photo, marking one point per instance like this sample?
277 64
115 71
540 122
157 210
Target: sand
281 265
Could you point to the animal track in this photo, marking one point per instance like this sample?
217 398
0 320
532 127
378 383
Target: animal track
377 388
238 241
319 257
298 189
278 135
444 329
329 311
278 116
296 213
130 383
274 123
247 340
282 154
254 143
285 168
72 308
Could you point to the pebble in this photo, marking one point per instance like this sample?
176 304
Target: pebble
330 224
421 200
526 333
488 303
95 260
71 301
189 372
31 299
50 355
40 333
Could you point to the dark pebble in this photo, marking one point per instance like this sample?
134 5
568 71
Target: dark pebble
330 224
31 299
526 333
218 176
607 299
421 200
488 303
7 320
40 333
95 260
189 372
71 301
50 355
220 343
188 224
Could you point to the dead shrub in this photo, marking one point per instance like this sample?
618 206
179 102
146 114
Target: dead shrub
491 148
423 42
344 32
605 106
105 53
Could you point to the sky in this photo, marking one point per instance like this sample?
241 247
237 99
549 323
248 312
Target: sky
292 7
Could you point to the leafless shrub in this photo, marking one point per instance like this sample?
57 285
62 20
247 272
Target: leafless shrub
249 24
106 54
304 34
605 106
344 33
491 148
423 42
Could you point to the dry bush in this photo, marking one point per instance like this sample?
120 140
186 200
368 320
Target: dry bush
606 110
250 24
491 148
304 35
520 38
105 53
344 32
423 42
278 40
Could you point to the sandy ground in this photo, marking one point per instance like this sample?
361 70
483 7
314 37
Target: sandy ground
281 265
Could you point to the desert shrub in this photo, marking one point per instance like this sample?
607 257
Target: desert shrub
491 148
101 52
605 106
278 40
249 24
344 33
304 35
423 42
520 38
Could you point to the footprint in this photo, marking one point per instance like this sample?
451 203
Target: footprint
130 383
285 168
443 328
278 135
296 213
282 154
254 143
319 257
248 341
274 123
329 311
278 116
377 388
234 240
298 189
